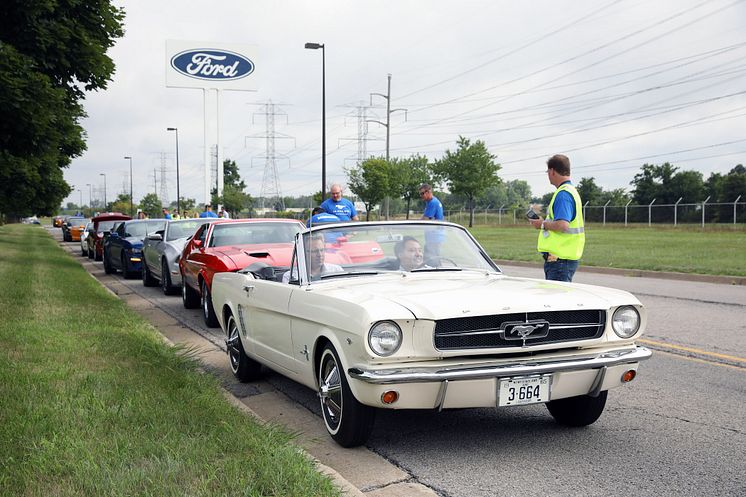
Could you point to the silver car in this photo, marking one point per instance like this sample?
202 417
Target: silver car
84 239
161 252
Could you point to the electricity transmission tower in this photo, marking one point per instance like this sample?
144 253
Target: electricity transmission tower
271 190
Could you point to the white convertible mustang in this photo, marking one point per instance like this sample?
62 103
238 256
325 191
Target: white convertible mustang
415 315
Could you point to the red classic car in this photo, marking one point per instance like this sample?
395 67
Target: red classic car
232 245
102 223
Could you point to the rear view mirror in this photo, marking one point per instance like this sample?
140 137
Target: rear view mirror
155 237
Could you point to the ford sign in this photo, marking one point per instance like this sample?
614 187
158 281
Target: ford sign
212 64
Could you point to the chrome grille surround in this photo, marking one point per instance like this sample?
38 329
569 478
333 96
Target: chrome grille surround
480 332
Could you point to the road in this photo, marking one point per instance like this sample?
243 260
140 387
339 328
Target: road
679 429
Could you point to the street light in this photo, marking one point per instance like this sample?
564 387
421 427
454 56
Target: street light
132 208
178 198
105 204
316 46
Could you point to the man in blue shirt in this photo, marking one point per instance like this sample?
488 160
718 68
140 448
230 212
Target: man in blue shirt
318 216
562 236
434 236
208 212
338 206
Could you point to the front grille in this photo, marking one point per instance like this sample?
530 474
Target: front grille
485 331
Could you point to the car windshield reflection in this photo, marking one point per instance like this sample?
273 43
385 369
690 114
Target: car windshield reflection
366 249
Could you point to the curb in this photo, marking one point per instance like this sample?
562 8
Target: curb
641 273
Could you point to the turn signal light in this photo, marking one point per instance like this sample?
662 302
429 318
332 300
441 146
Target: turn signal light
390 397
629 376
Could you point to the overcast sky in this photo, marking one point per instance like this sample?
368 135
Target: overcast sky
612 84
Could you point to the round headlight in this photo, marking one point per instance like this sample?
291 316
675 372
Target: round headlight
384 338
626 321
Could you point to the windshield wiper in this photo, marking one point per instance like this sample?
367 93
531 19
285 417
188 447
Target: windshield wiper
355 273
435 269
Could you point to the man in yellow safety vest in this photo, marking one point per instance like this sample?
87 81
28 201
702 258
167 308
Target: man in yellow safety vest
562 233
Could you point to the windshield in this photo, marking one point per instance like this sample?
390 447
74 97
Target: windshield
107 225
253 233
183 229
370 248
140 229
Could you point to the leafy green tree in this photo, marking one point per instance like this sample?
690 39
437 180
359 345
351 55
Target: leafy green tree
370 181
652 183
234 199
407 176
122 204
187 204
589 191
51 52
734 184
513 193
151 205
469 171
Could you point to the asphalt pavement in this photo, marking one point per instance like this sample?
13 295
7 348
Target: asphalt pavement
679 429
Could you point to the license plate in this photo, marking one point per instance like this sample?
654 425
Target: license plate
521 391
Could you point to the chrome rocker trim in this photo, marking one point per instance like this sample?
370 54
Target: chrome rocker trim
518 368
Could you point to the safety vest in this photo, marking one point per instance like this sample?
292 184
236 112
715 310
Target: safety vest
569 243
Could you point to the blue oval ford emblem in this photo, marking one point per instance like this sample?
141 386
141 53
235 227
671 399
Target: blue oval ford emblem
212 64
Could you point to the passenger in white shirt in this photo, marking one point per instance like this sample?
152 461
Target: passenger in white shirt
318 267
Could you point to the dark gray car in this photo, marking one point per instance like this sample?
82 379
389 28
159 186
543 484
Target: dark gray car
162 250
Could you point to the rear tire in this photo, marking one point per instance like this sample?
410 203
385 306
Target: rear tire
189 297
208 312
243 367
126 270
349 422
578 411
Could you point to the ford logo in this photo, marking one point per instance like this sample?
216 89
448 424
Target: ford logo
212 64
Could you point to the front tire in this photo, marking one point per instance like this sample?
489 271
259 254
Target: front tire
211 320
189 297
578 411
147 278
166 285
107 265
243 367
349 422
126 270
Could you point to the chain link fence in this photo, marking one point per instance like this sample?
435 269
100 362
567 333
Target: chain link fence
702 213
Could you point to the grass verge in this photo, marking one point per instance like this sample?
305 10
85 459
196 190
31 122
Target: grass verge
682 250
92 402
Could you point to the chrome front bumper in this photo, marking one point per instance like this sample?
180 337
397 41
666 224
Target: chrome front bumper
520 367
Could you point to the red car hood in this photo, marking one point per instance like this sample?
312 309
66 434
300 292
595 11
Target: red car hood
274 254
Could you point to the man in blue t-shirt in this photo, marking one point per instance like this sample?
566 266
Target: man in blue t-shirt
338 206
318 216
208 212
434 212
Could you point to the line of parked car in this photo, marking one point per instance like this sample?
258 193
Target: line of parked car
362 314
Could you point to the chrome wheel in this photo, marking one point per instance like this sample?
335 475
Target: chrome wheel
330 391
243 367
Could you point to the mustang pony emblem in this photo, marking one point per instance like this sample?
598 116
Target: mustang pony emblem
525 330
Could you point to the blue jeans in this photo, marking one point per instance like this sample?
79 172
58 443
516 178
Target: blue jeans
560 270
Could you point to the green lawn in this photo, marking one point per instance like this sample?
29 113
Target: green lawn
686 250
92 402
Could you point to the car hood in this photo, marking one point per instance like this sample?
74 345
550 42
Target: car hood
446 295
274 254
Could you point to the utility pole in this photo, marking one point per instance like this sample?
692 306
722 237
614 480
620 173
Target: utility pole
389 110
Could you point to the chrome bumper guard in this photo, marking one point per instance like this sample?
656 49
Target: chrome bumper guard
517 368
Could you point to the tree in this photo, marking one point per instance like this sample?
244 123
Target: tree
234 199
187 204
407 176
507 194
652 183
122 204
589 191
51 52
370 181
734 184
469 171
151 205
